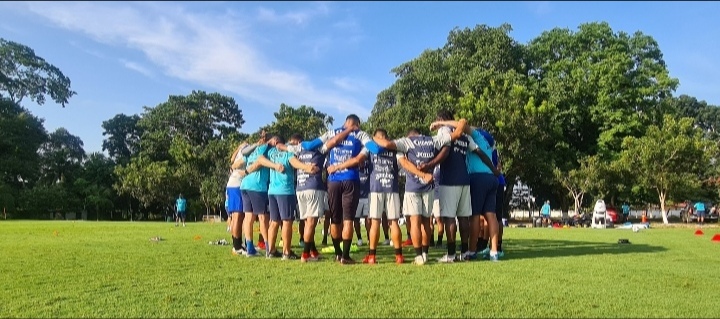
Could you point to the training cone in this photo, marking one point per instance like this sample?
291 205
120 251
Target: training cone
716 238
699 232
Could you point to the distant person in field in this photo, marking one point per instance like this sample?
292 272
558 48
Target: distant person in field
180 206
545 212
625 211
700 212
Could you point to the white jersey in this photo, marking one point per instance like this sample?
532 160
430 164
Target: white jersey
235 178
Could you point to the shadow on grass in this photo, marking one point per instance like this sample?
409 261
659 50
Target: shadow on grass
544 248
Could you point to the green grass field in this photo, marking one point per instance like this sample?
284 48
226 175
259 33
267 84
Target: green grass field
112 269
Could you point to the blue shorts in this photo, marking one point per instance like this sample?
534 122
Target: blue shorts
235 202
254 202
483 193
180 213
700 213
282 207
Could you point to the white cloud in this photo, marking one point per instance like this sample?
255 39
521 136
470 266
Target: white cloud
295 17
351 84
540 8
210 50
136 67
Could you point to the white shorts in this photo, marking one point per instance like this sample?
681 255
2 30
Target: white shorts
415 204
455 201
436 208
385 202
362 209
311 203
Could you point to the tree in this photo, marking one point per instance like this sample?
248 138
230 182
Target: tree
580 180
21 134
62 156
304 120
122 137
24 74
669 160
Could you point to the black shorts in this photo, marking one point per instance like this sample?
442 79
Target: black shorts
281 207
343 198
483 189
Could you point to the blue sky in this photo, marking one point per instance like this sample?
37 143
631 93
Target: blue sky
334 56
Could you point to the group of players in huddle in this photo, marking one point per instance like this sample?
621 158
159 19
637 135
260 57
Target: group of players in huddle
453 182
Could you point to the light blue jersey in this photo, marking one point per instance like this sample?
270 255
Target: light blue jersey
256 181
700 206
545 210
281 183
474 163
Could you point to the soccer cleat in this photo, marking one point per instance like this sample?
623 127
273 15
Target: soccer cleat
470 256
275 254
228 229
252 253
419 260
501 254
261 245
338 258
290 256
494 257
485 252
386 242
447 259
239 252
369 259
399 259
347 261
424 256
359 242
406 243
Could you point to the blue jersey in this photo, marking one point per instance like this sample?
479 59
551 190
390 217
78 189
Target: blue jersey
347 149
305 180
545 210
420 149
475 165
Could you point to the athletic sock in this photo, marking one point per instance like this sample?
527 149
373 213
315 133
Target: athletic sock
249 246
418 251
463 247
439 241
451 248
482 244
346 248
313 249
336 245
372 252
425 249
398 251
237 243
500 244
306 248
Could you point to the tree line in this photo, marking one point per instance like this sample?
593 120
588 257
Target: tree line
578 115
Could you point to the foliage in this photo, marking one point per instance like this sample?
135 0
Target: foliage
24 74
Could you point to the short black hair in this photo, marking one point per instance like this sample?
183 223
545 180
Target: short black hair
413 131
280 139
296 136
353 117
380 130
445 115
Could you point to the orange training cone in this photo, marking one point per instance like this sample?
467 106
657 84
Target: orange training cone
716 238
699 232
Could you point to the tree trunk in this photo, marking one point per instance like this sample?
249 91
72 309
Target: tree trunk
578 197
662 208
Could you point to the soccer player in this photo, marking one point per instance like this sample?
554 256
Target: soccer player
414 151
180 206
281 195
311 194
384 196
545 212
362 211
254 188
344 181
234 199
455 186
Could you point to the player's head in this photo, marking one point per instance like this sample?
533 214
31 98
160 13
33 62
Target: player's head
351 120
380 133
277 139
444 115
413 132
295 139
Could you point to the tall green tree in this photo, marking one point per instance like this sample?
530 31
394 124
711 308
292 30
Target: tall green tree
669 160
62 156
26 75
21 135
122 137
304 120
